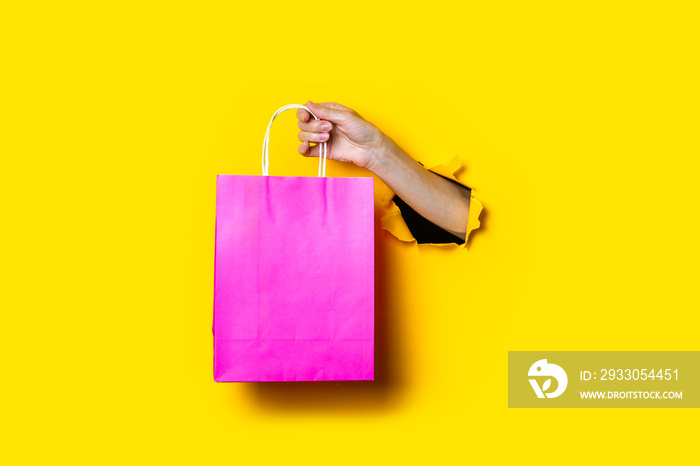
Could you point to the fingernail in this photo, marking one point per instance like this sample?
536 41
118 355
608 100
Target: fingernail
323 136
325 126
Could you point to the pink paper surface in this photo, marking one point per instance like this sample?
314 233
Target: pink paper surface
294 279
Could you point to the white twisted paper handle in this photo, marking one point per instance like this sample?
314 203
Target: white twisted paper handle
323 148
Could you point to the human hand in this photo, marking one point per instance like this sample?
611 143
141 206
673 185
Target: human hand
350 137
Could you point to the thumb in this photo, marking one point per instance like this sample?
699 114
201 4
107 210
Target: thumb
334 115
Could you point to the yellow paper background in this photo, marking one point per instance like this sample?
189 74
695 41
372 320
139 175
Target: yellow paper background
578 123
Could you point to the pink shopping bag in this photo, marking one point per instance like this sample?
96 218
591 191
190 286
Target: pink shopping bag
294 276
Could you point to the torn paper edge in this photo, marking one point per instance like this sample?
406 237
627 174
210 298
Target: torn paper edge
394 223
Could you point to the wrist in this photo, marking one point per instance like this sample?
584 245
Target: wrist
380 154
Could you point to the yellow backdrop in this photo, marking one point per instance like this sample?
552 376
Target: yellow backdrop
578 125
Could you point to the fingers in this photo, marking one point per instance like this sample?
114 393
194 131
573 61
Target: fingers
336 114
326 111
308 136
307 150
311 131
303 115
315 126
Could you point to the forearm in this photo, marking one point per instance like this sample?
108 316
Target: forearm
439 200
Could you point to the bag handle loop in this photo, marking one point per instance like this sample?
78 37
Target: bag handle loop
323 148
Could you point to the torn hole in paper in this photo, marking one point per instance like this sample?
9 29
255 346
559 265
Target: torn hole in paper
398 224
